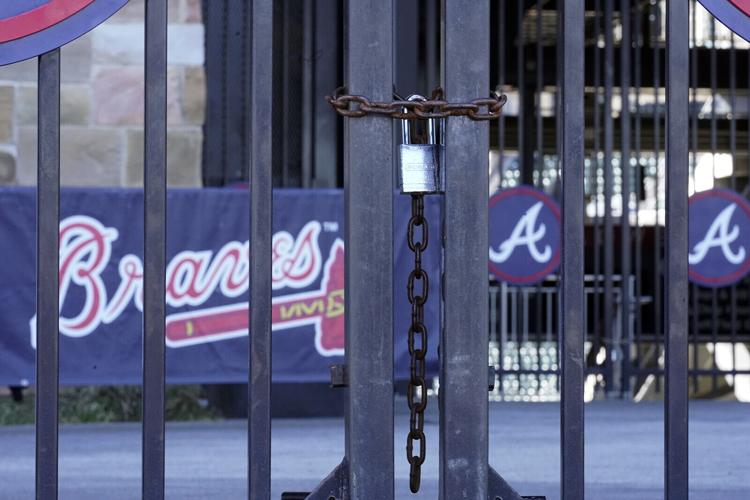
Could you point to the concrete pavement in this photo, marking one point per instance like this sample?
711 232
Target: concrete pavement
206 460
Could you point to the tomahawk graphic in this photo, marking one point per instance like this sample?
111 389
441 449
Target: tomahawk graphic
323 309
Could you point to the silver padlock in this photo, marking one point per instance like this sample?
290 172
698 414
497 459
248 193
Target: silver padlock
421 166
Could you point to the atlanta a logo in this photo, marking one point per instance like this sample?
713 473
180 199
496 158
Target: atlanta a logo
719 238
524 235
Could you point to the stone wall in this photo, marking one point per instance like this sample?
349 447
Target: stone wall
102 104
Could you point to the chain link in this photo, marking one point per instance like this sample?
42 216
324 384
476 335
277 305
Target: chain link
417 289
355 106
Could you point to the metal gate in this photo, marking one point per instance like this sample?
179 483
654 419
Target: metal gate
367 469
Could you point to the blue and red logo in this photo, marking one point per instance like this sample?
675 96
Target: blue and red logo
718 238
734 14
524 235
29 28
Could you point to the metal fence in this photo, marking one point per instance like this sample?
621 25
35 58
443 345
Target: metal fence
366 470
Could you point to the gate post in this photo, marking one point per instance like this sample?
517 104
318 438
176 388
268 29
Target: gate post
368 180
572 299
260 115
464 354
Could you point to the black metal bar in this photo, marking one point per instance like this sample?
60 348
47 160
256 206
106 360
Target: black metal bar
327 76
694 289
658 326
611 384
369 231
47 281
676 289
714 293
407 56
625 49
733 187
596 163
214 127
235 89
308 93
155 223
260 114
539 148
526 170
289 61
502 9
638 183
432 44
463 344
572 293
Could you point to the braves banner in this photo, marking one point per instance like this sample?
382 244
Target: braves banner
207 276
29 28
734 14
524 235
718 237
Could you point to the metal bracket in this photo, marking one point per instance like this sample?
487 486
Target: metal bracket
335 486
339 376
499 489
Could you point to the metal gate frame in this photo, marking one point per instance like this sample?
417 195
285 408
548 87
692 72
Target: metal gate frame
367 469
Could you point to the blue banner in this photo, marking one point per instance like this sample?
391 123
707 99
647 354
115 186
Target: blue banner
718 238
101 273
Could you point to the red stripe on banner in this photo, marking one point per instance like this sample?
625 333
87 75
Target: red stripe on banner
743 5
39 19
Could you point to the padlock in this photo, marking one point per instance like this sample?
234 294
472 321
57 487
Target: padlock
421 165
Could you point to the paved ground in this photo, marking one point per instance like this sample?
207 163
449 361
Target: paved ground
206 460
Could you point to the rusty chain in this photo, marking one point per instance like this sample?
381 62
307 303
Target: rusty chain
356 106
417 392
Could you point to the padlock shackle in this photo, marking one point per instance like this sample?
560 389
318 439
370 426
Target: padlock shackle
406 126
432 129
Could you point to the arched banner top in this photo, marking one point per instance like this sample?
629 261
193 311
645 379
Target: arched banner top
734 14
29 28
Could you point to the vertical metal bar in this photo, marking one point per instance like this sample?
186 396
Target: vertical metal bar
526 171
609 72
596 296
407 57
235 88
572 296
464 409
368 221
432 46
538 103
308 92
638 183
47 281
695 290
714 293
625 124
733 186
327 132
503 328
288 61
502 9
539 164
261 230
155 213
214 144
657 274
676 291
